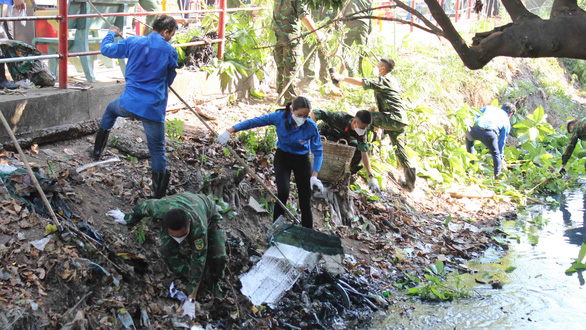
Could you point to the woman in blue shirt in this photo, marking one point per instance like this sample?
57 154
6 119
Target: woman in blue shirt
149 73
7 27
297 135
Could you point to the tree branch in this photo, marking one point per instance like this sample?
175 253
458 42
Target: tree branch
518 11
451 34
565 7
563 36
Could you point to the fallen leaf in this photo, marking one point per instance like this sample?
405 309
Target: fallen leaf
35 149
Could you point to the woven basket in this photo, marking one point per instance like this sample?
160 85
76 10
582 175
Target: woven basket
336 163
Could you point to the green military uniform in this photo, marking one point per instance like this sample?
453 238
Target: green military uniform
338 125
358 30
206 241
287 15
579 133
149 5
309 67
391 117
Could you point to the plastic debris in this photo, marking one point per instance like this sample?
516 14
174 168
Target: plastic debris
126 319
34 306
255 205
101 162
276 272
41 243
177 294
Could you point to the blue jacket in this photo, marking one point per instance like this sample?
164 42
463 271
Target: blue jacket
296 141
149 72
495 119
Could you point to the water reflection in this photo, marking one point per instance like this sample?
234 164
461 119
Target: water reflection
543 243
576 202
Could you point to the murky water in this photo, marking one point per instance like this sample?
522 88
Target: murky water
537 294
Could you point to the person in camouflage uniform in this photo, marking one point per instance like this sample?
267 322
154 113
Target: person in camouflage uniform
287 15
578 130
341 125
358 30
391 115
191 238
309 67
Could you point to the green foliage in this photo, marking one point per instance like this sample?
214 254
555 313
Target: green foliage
140 236
255 142
174 129
577 265
577 68
433 288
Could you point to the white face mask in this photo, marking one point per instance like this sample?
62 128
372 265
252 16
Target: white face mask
360 131
180 239
298 121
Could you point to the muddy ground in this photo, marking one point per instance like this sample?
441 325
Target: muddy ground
86 279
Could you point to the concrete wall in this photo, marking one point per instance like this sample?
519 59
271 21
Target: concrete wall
52 114
48 112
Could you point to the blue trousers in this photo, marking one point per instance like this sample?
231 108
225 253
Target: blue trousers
155 133
490 140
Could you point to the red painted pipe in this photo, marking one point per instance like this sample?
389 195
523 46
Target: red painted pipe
221 28
63 44
457 9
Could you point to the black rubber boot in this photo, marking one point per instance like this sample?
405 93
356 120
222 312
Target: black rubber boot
5 83
160 184
100 144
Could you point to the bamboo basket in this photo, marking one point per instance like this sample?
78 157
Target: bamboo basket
336 161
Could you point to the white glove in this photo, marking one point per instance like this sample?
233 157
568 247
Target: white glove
190 306
224 138
373 184
338 76
117 215
314 181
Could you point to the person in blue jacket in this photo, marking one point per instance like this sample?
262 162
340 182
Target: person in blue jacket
297 135
492 128
149 73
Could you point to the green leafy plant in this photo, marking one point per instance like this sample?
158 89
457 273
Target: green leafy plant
433 288
174 129
577 265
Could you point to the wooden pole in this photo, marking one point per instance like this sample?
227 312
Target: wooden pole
20 108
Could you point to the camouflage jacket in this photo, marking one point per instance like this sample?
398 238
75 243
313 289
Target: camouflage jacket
388 99
357 6
287 15
187 259
337 125
579 134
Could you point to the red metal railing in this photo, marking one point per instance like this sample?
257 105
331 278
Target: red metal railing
63 18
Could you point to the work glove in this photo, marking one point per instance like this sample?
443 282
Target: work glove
562 170
373 185
117 215
338 76
190 307
314 181
224 138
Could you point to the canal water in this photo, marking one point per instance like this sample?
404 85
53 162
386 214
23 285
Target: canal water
537 293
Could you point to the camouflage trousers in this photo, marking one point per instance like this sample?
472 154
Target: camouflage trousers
182 261
358 35
396 132
287 57
309 67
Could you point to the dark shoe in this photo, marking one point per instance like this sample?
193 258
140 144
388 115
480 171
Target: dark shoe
409 182
100 144
160 183
5 83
